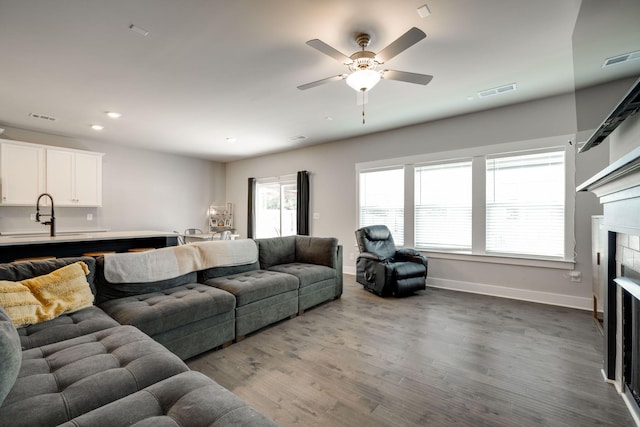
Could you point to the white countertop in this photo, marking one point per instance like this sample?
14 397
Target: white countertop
69 236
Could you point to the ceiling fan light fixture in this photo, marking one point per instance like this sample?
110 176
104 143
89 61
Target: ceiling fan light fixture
363 80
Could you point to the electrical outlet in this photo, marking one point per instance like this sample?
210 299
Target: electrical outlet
32 217
576 276
89 217
316 215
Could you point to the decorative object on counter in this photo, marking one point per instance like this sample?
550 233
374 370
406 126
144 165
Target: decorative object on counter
220 218
52 220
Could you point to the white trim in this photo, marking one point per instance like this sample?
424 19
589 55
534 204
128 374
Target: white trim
465 153
630 406
570 301
560 264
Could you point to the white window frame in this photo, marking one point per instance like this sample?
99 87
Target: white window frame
478 155
436 164
398 239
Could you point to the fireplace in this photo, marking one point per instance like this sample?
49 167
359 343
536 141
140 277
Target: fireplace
627 357
618 187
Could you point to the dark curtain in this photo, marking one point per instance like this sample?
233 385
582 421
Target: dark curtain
302 220
251 209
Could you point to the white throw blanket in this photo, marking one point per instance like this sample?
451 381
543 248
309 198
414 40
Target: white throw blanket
173 261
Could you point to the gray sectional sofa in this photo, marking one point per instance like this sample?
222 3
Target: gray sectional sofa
110 364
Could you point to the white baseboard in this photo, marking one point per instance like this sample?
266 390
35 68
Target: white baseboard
581 303
349 270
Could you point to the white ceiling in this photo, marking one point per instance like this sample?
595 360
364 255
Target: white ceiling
212 70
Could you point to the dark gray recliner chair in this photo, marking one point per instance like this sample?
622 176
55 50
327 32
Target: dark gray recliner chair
385 270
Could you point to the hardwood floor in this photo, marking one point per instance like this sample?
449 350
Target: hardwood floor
437 358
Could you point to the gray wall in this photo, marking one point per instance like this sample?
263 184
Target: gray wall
141 190
333 192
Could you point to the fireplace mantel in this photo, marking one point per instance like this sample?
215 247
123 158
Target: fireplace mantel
618 187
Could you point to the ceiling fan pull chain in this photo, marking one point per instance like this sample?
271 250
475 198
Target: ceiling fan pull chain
363 107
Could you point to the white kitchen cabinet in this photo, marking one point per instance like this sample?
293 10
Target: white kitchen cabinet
74 178
22 173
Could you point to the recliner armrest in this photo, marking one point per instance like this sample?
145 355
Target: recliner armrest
371 256
411 255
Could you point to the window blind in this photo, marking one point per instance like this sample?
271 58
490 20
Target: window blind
382 200
525 204
443 196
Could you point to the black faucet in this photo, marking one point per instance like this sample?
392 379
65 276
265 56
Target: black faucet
52 221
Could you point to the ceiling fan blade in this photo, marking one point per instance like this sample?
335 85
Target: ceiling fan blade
403 76
328 50
404 42
323 81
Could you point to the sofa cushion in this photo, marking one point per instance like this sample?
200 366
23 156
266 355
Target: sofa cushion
211 273
67 326
19 303
10 354
46 297
276 250
162 311
307 274
255 285
189 398
61 381
17 271
317 250
108 291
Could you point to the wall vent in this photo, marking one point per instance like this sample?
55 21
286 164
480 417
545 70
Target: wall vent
42 117
626 57
497 90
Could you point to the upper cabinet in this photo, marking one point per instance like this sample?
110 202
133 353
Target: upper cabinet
72 177
22 173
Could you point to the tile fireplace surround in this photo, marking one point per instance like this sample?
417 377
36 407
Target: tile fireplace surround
618 187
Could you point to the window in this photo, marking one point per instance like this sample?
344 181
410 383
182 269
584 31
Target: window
495 203
443 206
276 208
525 204
382 200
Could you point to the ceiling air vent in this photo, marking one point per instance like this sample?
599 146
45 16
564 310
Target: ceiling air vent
621 58
42 117
297 138
497 90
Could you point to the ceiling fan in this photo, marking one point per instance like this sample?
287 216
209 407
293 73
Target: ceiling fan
362 64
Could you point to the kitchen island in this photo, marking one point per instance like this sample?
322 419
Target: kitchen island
66 244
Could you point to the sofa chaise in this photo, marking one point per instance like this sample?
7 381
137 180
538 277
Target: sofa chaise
96 364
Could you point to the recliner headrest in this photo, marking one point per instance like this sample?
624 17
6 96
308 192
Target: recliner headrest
377 232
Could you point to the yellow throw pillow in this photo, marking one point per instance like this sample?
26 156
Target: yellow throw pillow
42 298
18 302
62 291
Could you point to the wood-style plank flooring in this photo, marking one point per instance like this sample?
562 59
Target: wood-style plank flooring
436 358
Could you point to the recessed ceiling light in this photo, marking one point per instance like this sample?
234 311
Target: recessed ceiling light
231 140
113 114
423 11
97 127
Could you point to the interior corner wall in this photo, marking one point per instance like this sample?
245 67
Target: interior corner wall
333 192
141 189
